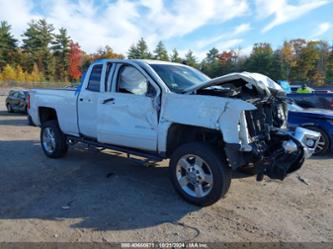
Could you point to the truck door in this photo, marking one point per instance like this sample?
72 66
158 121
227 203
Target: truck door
127 115
87 102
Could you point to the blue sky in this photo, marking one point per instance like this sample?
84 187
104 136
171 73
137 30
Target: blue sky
183 24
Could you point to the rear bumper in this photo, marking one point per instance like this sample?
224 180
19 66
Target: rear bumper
284 153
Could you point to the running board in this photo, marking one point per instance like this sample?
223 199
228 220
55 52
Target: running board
145 154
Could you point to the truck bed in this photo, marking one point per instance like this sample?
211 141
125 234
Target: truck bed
63 100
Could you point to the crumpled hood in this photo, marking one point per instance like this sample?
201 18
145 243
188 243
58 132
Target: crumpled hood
261 82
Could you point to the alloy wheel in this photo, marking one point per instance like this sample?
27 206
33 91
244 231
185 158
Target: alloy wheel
49 141
194 176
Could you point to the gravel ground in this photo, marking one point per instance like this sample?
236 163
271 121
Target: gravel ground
103 196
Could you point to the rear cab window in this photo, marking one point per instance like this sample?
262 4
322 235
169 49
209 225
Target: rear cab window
94 83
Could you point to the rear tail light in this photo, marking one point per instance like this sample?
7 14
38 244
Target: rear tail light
331 104
28 102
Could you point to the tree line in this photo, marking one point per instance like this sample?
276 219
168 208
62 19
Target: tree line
46 54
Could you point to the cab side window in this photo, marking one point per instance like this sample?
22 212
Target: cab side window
130 80
95 78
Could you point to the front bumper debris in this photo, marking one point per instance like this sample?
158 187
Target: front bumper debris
294 148
283 154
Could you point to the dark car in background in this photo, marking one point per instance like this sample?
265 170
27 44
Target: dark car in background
319 120
16 101
318 99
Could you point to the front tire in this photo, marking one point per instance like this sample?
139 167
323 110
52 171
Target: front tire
53 141
200 173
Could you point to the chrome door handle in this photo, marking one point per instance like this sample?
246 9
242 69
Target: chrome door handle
108 100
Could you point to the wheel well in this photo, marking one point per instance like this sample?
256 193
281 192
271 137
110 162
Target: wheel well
47 114
179 134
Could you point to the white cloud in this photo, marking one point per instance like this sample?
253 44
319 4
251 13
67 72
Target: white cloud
184 17
284 12
228 44
322 29
203 43
120 23
242 28
246 51
17 13
92 28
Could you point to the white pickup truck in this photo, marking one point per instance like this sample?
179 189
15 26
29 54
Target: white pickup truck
159 110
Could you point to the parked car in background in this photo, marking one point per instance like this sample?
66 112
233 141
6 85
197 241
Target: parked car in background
313 100
16 101
294 88
319 120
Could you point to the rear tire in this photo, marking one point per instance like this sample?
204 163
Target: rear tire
9 108
198 164
30 122
53 141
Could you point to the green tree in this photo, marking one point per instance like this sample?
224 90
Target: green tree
212 56
7 45
296 47
175 56
190 59
288 59
260 59
324 53
211 64
133 52
309 57
36 42
139 51
329 67
61 51
277 71
106 53
160 52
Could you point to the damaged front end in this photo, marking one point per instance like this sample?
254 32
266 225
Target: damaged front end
264 141
275 151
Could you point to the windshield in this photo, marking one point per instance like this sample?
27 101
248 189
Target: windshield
178 77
